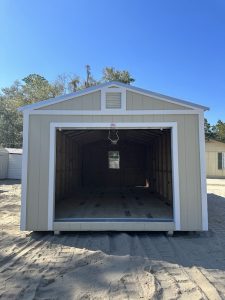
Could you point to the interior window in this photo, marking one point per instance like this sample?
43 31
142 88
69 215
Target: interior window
221 160
114 159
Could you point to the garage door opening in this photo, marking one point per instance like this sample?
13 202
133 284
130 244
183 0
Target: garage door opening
113 175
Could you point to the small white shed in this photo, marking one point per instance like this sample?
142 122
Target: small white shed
4 157
14 163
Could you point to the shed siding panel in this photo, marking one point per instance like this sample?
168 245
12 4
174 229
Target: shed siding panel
34 163
193 165
137 101
88 102
134 101
43 192
188 156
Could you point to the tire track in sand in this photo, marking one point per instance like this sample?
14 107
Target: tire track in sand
173 279
195 274
14 257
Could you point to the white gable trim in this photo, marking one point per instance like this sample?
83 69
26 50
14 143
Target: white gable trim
101 87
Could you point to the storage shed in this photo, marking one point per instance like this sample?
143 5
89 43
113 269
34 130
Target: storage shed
10 163
114 157
14 163
4 158
215 159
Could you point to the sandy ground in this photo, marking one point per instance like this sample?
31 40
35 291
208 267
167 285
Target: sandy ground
111 265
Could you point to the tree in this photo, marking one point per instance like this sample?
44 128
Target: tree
216 131
10 118
111 74
90 81
208 130
35 87
75 83
66 83
219 131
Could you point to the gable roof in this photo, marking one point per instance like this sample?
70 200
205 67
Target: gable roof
128 87
210 140
14 150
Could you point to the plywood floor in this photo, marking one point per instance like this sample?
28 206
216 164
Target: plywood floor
113 203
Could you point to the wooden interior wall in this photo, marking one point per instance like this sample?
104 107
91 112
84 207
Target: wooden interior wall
68 166
159 170
132 165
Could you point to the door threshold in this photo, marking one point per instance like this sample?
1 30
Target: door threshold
113 220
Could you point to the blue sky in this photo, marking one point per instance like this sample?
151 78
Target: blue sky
175 47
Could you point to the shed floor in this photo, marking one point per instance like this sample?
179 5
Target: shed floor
113 203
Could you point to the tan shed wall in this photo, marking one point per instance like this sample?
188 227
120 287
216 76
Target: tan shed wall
189 164
138 101
212 148
88 102
134 101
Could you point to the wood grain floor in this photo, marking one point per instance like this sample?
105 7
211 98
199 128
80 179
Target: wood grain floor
113 203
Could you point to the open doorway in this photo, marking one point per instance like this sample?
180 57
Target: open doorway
114 175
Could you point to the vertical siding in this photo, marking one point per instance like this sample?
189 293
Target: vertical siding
188 158
35 162
43 175
88 102
136 101
193 165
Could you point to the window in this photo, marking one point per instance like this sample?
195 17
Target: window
221 160
114 159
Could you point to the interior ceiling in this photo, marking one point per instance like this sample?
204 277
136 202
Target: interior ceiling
142 136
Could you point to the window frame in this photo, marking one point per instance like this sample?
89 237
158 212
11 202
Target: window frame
221 160
112 160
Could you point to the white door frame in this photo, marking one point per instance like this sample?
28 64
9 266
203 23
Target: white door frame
97 126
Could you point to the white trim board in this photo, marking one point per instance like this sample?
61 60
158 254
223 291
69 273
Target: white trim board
106 90
203 172
23 210
98 126
109 112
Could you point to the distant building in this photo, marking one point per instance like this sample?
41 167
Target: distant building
10 163
215 159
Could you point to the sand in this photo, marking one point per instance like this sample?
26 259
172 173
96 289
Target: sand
111 265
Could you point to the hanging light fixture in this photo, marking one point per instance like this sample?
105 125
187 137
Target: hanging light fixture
113 136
